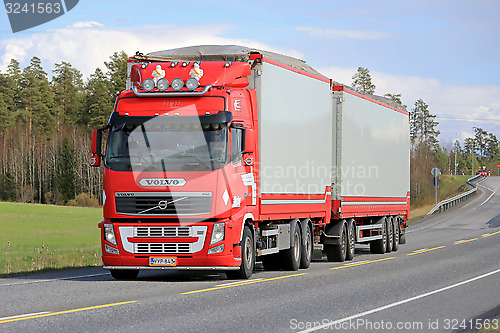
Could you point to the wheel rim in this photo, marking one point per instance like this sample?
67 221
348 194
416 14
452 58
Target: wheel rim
351 237
344 240
389 232
308 244
248 252
384 235
296 246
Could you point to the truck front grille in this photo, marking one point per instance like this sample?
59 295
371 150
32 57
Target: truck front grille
163 203
162 232
162 248
190 239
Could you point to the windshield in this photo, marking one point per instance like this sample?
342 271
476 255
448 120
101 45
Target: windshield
167 144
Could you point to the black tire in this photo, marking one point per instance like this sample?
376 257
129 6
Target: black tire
395 242
291 256
306 248
380 245
389 229
124 274
402 233
351 240
337 253
247 257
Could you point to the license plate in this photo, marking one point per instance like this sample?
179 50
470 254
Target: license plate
162 261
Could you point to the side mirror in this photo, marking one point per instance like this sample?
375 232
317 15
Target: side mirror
249 140
95 148
96 142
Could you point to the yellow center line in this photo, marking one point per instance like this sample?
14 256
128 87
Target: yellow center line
498 232
241 284
426 250
362 263
465 241
64 312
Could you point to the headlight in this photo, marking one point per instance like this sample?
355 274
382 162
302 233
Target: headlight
109 233
217 233
217 249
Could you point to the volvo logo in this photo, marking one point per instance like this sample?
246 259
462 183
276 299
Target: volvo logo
163 204
150 182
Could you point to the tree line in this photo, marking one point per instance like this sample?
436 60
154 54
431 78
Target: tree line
480 151
45 127
45 130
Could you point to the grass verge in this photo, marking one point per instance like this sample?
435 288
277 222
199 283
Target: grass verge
44 237
449 187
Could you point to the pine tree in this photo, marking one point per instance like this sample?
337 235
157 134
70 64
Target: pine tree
67 85
97 100
363 81
423 126
37 99
117 72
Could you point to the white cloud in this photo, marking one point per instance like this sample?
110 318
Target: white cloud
344 33
458 107
86 45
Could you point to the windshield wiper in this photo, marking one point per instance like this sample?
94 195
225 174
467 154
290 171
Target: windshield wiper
194 157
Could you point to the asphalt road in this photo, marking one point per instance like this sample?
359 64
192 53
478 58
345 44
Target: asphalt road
446 278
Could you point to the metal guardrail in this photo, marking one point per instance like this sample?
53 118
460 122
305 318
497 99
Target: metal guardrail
448 203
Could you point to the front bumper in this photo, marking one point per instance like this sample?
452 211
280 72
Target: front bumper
177 268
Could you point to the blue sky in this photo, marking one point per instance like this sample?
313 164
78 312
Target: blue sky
445 52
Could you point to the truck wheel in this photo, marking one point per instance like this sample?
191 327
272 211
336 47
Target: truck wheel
379 246
351 240
247 257
395 243
338 252
402 233
306 249
124 274
291 256
390 235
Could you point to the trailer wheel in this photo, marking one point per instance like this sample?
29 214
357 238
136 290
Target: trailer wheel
351 240
124 274
291 256
306 249
402 233
247 257
379 246
395 243
338 252
389 228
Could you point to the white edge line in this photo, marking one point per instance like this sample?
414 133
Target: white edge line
237 282
50 280
362 314
24 315
485 201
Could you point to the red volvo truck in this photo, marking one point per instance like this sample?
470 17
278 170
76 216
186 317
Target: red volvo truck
220 156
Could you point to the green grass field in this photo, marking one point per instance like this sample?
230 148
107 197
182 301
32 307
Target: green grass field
42 237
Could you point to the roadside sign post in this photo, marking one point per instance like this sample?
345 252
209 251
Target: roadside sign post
436 172
498 169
